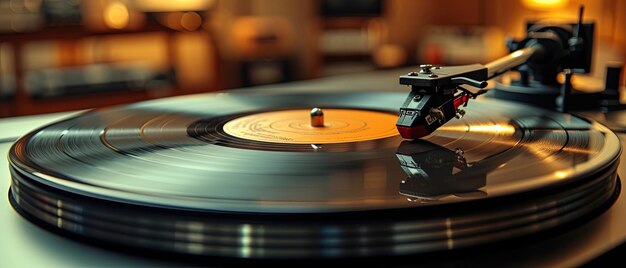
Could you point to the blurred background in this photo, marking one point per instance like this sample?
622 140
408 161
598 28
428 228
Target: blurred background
58 55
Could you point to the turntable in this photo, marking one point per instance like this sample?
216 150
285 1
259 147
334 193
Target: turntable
289 173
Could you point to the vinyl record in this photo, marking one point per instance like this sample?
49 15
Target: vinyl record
245 175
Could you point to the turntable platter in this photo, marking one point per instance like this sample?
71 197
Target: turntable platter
181 176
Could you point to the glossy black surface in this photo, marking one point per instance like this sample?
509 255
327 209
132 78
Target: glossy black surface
163 176
162 154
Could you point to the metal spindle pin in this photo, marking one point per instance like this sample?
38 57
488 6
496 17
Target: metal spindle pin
317 117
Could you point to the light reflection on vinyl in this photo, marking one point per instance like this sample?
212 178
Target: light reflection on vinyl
166 176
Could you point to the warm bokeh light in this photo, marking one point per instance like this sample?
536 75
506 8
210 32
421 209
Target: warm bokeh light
169 6
116 15
257 37
181 21
517 54
560 174
190 21
389 56
171 20
544 4
502 129
195 64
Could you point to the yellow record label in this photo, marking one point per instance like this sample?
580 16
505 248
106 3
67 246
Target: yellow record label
294 126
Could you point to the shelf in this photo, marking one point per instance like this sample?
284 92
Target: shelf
74 32
22 103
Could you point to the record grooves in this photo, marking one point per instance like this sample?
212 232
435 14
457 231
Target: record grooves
166 176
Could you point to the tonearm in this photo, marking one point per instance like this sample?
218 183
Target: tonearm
439 93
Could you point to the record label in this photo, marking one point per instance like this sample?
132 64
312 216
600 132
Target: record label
294 126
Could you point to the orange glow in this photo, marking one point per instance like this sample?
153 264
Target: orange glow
172 20
116 15
561 78
190 21
504 129
389 56
544 4
194 63
501 129
540 148
170 6
181 21
255 36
